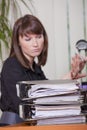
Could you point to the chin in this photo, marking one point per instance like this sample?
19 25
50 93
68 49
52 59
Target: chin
36 54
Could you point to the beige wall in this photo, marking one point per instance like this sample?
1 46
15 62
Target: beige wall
56 15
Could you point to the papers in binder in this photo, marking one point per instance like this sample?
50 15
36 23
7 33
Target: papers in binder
62 120
61 99
51 102
41 90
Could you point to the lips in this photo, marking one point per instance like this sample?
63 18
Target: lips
35 50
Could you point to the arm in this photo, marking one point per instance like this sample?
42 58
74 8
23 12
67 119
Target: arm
11 74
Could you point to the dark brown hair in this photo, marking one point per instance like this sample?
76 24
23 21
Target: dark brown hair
28 24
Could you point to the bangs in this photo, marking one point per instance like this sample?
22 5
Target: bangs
30 28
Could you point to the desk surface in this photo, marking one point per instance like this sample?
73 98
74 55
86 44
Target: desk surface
51 127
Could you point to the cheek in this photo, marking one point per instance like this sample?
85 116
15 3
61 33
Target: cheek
42 43
41 46
25 47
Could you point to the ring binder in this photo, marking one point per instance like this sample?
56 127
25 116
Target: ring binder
52 102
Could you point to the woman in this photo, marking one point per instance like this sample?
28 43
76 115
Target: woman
29 41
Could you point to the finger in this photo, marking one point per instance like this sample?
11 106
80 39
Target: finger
81 75
86 59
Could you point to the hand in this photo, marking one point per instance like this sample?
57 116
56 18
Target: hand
77 66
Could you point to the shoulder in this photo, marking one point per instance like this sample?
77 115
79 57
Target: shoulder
11 65
12 70
11 62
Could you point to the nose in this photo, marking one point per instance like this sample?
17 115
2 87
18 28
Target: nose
35 42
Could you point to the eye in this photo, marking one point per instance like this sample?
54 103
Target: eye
39 36
27 38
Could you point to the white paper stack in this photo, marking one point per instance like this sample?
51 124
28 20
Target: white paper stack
51 102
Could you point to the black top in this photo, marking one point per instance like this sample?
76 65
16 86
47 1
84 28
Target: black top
12 72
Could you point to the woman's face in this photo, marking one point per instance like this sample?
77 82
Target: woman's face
31 45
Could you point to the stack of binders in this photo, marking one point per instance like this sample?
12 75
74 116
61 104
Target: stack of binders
51 102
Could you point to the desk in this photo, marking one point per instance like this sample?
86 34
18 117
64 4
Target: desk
51 127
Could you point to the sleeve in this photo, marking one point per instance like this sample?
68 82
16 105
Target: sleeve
11 74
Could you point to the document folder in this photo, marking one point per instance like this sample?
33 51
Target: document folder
51 102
